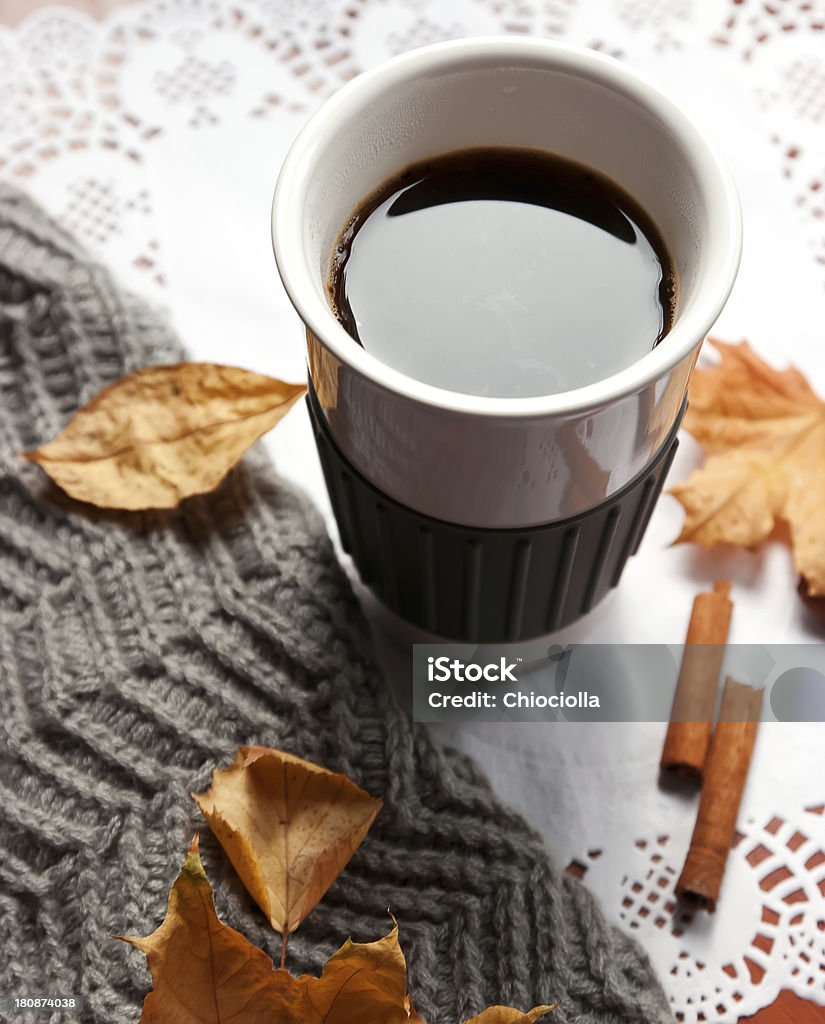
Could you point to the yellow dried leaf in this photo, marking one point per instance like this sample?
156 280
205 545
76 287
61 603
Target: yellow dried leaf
164 433
507 1015
288 826
203 971
763 431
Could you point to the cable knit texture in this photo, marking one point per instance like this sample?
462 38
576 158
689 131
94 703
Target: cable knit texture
138 651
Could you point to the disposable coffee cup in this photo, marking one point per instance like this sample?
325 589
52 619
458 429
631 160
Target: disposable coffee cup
488 519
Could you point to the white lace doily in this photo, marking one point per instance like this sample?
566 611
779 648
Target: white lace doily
592 791
157 135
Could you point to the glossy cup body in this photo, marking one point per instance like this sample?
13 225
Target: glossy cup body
504 463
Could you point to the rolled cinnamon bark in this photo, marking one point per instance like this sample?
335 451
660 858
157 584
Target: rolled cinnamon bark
688 734
726 770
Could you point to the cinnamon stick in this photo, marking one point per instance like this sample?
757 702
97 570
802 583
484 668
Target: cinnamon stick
726 771
688 734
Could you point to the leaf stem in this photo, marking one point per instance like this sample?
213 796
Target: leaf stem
284 940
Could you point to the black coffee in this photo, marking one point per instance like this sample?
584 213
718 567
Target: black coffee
504 272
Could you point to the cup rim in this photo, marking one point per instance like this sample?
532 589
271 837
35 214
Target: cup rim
713 173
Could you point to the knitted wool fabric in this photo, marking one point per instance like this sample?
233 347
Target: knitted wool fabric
138 651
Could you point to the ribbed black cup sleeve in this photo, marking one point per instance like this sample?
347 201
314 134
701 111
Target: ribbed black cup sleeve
483 585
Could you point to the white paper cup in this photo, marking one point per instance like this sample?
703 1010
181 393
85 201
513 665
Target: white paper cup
472 487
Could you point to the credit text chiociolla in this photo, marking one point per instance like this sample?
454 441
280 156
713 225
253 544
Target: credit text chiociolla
514 699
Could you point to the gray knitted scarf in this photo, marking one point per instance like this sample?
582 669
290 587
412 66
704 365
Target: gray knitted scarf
138 651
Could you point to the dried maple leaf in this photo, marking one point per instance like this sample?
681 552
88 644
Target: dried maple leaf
164 433
204 972
288 826
763 431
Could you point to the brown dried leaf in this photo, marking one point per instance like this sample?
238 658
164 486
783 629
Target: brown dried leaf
288 826
362 982
507 1015
164 433
743 385
203 971
763 431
